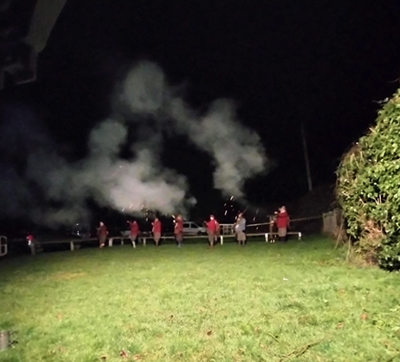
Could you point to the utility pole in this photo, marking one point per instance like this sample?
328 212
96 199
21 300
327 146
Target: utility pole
306 159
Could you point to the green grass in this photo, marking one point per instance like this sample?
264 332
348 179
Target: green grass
263 302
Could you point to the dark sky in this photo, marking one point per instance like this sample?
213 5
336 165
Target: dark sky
322 63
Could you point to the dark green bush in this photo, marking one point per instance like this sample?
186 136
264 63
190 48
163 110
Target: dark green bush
368 189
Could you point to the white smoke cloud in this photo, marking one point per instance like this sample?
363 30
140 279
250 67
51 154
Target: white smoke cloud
107 138
145 88
236 151
55 192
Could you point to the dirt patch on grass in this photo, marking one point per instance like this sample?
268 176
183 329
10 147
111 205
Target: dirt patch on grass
67 276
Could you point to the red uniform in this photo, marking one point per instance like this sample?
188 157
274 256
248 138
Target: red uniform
134 228
102 231
282 220
102 234
212 226
30 239
178 229
157 226
156 231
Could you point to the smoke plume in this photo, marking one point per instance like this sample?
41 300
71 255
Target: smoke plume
236 151
37 182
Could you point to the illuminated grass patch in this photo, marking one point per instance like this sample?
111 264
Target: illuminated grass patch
263 302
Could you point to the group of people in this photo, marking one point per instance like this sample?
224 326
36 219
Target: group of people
213 229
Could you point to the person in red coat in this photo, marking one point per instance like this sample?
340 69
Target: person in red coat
102 234
134 231
211 230
29 238
282 222
31 242
178 230
156 230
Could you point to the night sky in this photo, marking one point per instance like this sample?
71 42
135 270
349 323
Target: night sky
322 63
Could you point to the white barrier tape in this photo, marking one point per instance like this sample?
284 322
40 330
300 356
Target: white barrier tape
307 218
291 220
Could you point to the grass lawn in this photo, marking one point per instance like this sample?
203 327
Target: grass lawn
263 302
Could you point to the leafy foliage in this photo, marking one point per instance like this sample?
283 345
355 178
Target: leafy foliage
368 189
